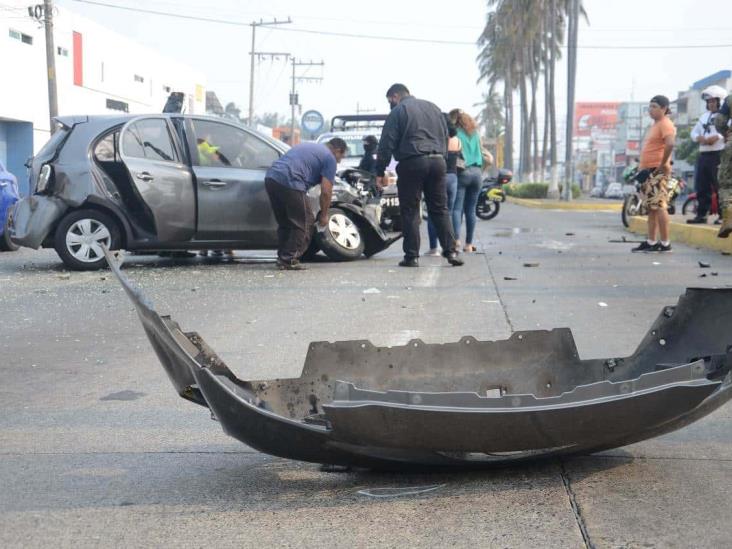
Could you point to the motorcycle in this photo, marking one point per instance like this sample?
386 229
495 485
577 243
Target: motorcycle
633 203
492 194
385 201
691 204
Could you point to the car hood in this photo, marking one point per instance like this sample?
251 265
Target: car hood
522 398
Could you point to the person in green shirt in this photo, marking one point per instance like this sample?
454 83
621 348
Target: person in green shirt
470 178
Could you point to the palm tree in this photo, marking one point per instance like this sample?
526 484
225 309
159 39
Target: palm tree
498 63
521 41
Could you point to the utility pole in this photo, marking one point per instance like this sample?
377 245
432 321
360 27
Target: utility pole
253 53
571 79
50 63
294 102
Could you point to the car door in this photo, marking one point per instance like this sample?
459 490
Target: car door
229 164
162 180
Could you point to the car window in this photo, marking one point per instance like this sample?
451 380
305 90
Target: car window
149 139
224 146
107 148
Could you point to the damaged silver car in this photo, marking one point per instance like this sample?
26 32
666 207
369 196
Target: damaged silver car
170 182
526 397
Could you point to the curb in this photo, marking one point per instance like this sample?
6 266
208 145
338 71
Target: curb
699 236
547 204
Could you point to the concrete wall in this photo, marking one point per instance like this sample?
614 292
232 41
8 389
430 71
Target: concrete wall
111 65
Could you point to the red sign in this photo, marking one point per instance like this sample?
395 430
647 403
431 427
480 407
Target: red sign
78 60
596 120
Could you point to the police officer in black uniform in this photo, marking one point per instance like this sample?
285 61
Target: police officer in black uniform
368 161
415 133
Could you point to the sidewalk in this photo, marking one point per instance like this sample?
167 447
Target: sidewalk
701 236
580 204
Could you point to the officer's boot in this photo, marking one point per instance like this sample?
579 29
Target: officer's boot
726 229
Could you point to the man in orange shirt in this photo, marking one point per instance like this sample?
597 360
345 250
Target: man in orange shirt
655 169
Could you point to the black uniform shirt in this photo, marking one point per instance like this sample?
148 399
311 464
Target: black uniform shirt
414 127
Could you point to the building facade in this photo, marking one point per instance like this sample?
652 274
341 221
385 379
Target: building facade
98 71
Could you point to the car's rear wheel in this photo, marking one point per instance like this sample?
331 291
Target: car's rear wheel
7 245
79 238
342 239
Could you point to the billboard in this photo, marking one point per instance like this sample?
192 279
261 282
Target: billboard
597 120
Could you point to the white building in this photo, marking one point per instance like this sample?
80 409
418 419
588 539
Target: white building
98 72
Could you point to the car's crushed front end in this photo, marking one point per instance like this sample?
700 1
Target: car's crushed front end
467 403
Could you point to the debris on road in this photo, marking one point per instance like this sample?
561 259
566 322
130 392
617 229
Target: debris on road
399 492
602 304
509 278
372 291
704 265
531 264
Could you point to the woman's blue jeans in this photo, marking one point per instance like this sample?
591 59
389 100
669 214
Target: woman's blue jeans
451 181
468 189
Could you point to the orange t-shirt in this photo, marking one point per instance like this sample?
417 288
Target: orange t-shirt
653 146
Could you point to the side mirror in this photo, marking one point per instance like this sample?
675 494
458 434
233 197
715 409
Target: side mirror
29 162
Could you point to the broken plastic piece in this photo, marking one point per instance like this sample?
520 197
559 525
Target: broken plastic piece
466 403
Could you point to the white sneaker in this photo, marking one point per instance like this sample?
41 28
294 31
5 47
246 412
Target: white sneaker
434 252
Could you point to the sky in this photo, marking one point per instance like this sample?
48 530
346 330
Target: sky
652 48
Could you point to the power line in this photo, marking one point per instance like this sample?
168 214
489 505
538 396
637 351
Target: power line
167 14
391 38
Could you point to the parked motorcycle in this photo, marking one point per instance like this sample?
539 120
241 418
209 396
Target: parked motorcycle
691 204
492 194
633 203
385 200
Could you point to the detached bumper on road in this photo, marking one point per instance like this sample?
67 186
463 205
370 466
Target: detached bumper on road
466 403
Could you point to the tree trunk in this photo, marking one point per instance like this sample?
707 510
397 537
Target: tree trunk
534 145
545 137
525 128
508 139
554 181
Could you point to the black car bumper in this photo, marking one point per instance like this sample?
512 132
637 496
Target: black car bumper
526 397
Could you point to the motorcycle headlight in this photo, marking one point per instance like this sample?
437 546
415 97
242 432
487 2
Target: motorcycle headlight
43 178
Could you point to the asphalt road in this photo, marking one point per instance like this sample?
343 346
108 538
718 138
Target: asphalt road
96 449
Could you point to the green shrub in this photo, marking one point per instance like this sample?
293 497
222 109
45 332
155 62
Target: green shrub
576 192
526 190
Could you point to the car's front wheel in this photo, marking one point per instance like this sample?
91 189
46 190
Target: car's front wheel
342 239
80 236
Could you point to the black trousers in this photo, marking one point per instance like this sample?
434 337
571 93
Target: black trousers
706 180
417 175
294 220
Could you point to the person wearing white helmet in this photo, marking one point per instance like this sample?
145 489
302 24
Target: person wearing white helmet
711 145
